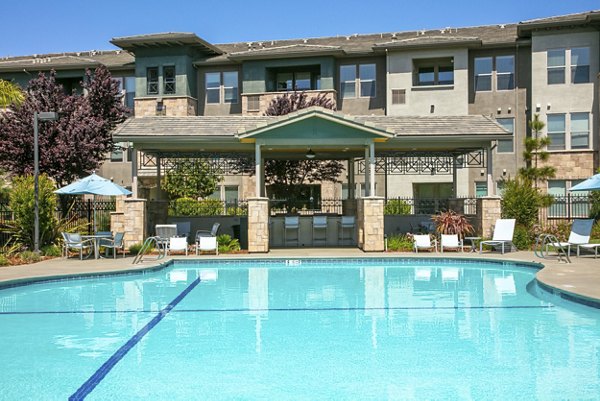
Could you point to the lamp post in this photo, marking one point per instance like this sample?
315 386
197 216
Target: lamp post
37 116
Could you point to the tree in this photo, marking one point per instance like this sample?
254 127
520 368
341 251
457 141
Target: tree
285 176
191 178
522 201
77 142
10 93
535 152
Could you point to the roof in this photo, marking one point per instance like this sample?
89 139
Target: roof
299 49
113 59
431 41
576 19
170 39
239 125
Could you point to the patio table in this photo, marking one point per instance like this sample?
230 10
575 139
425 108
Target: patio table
97 238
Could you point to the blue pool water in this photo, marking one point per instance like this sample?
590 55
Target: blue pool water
317 330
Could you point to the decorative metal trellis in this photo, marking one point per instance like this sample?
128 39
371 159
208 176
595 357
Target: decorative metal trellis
223 164
433 163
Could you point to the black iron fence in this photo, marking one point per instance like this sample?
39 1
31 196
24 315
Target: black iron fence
411 206
74 214
303 207
565 209
204 207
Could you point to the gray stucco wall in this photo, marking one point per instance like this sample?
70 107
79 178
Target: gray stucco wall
358 105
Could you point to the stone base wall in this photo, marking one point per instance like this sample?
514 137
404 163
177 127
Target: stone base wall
489 210
572 165
130 218
179 106
371 224
258 225
266 98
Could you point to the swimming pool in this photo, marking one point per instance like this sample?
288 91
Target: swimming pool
327 329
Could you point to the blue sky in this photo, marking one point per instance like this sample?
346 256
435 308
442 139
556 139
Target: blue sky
36 26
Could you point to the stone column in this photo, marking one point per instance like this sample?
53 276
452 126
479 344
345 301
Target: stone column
488 211
370 224
258 225
367 172
491 185
130 218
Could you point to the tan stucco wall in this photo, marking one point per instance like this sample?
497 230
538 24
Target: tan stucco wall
175 106
446 101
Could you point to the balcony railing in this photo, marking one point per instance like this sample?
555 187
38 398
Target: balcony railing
257 103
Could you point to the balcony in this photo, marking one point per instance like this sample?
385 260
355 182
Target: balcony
255 104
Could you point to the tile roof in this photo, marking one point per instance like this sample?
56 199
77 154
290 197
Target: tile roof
233 125
113 59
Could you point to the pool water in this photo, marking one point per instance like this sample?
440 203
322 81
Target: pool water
301 330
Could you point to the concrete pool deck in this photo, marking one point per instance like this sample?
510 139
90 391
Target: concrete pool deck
580 278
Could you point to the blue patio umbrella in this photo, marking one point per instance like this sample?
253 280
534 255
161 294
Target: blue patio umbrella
591 184
93 185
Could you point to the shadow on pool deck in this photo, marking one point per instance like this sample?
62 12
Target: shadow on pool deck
582 277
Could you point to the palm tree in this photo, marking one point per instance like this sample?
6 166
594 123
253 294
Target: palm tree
10 93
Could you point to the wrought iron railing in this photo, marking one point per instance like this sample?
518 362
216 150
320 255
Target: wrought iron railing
411 206
306 207
206 207
565 209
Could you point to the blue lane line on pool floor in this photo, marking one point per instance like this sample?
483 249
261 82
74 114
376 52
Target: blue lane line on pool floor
286 309
87 387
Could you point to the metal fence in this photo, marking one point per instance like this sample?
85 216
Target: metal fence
302 207
565 209
205 207
411 206
74 214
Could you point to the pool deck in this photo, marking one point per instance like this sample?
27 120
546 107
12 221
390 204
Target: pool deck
580 278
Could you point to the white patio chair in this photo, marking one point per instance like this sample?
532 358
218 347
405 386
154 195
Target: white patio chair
291 223
164 232
503 234
319 224
451 241
177 244
424 241
207 244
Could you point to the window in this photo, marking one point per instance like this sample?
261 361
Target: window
556 66
483 74
580 131
506 145
480 189
429 72
505 72
398 96
231 195
366 75
169 80
348 81
558 190
230 87
253 103
129 92
580 65
363 75
216 93
556 131
116 155
289 81
152 81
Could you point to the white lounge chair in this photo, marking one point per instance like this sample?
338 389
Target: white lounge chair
424 241
207 244
581 230
451 241
503 234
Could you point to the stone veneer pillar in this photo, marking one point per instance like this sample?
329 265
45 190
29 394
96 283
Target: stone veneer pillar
370 224
258 225
489 210
130 218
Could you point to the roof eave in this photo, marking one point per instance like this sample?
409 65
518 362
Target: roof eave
470 44
291 54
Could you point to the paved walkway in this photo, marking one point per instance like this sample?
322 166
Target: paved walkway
582 277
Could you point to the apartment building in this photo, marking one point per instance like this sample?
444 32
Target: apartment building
422 87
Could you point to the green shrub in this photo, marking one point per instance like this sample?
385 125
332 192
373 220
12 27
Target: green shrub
228 244
193 207
51 250
135 248
523 238
400 243
4 260
30 257
22 205
595 232
396 207
522 201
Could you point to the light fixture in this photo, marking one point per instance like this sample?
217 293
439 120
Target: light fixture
503 171
482 172
548 106
538 107
499 110
310 154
